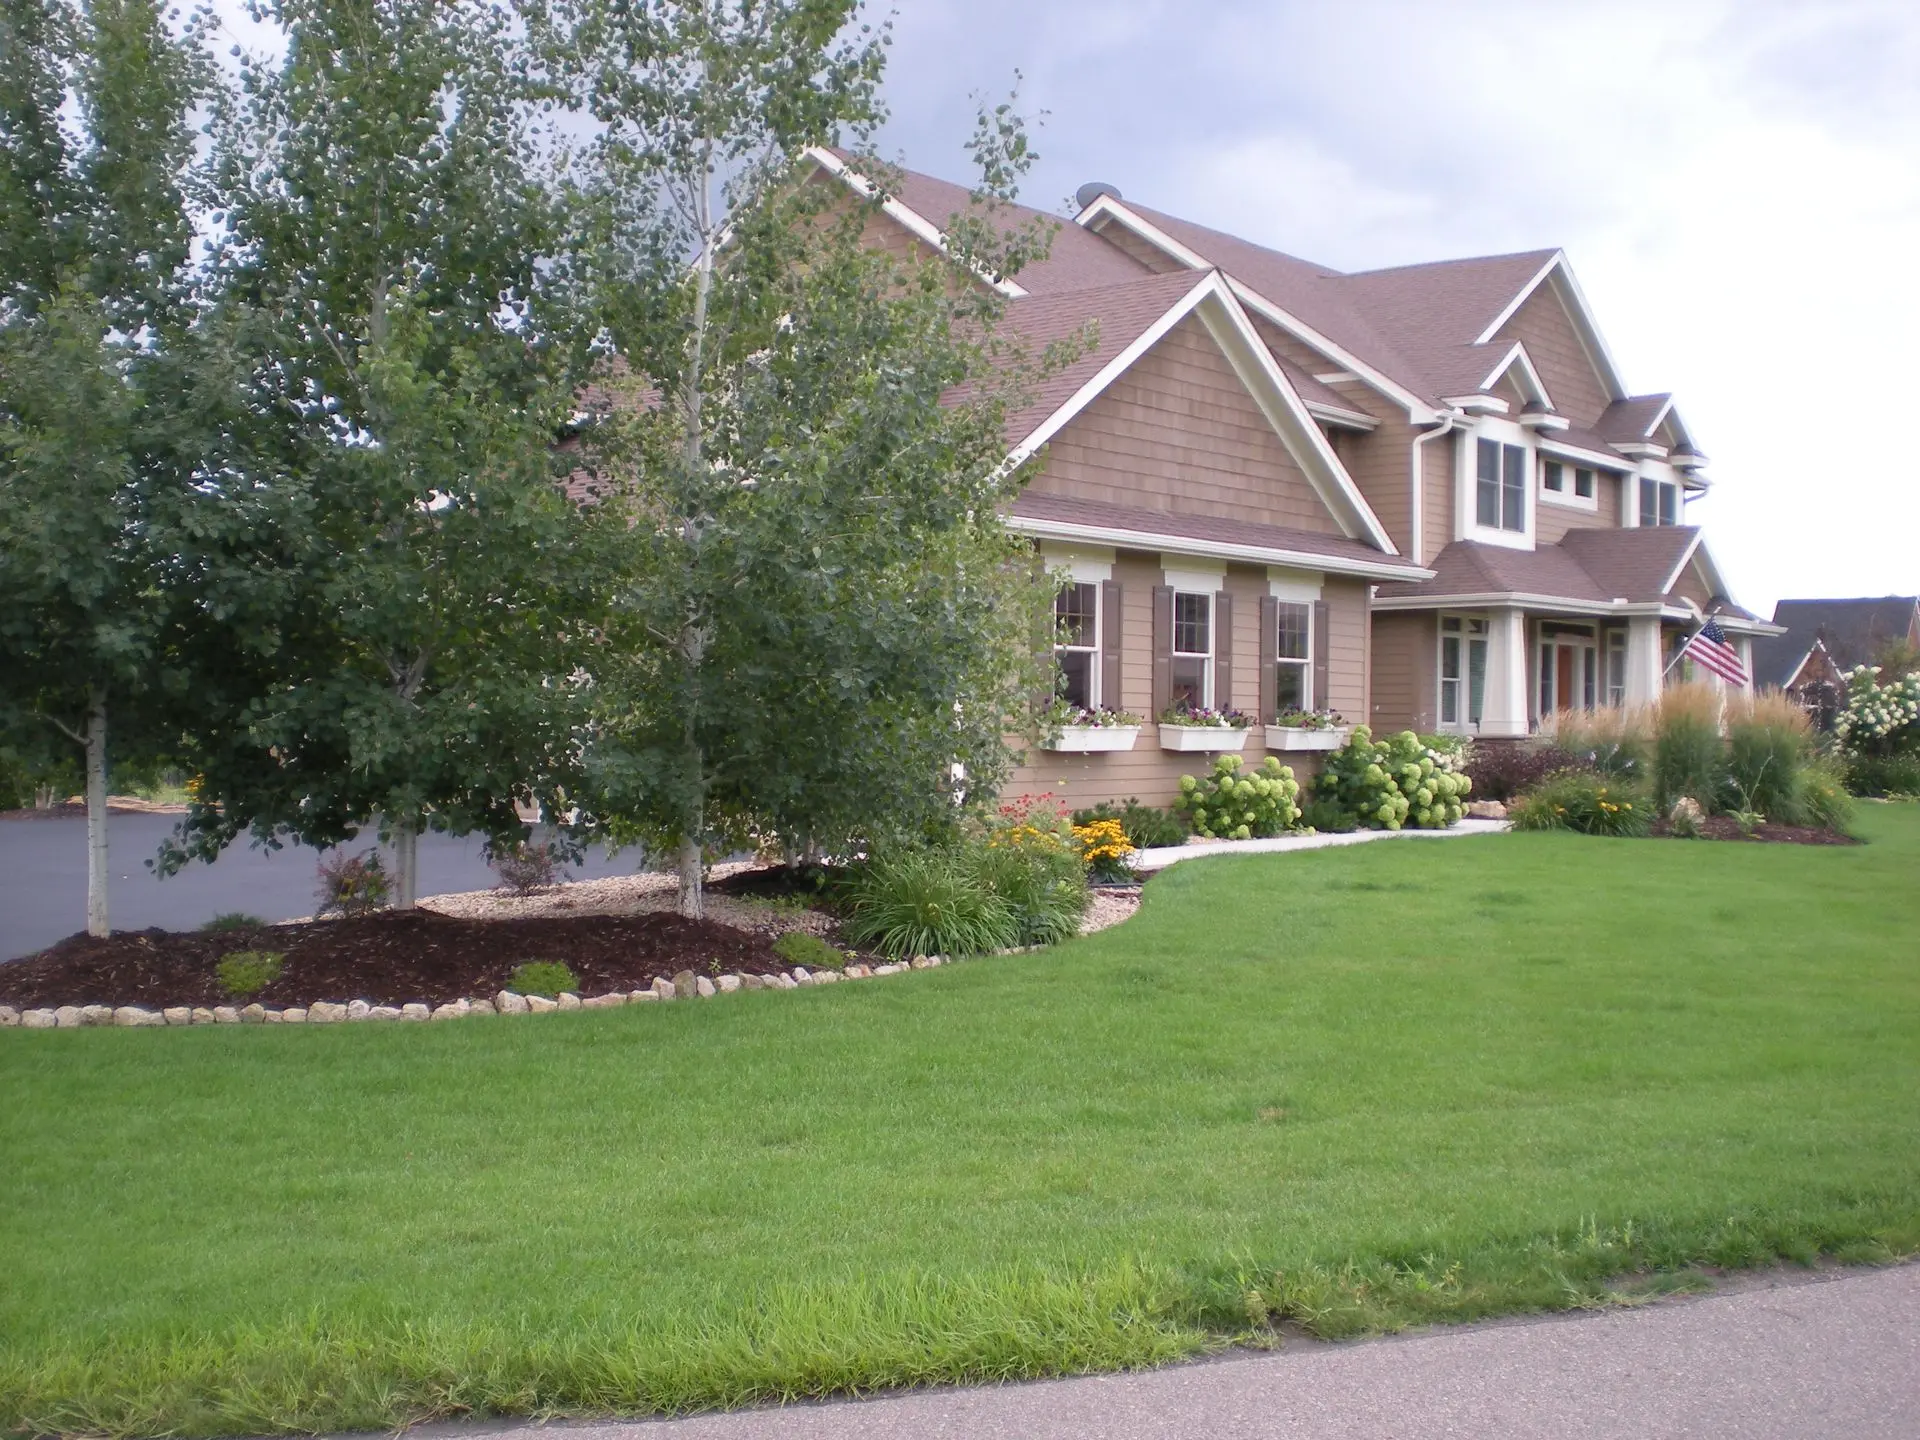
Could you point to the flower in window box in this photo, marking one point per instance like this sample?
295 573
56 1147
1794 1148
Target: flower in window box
1203 718
1309 720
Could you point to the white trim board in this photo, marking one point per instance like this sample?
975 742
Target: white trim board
1069 531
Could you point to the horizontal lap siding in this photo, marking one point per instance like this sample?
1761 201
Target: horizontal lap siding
1405 687
1554 521
1381 464
1346 648
1179 432
1691 587
1436 497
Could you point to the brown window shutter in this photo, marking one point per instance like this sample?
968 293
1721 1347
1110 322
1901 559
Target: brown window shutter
1269 650
1318 700
1162 648
1112 633
1222 650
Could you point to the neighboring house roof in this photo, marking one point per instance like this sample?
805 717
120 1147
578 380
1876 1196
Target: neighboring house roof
1062 517
1851 630
1780 660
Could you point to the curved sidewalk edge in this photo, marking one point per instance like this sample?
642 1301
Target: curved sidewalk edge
1173 854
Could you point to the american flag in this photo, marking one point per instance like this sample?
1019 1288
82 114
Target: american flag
1709 647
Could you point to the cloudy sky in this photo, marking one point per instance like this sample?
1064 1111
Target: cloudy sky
1736 184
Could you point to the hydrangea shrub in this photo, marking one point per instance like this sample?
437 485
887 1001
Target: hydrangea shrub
1880 719
1225 804
1393 783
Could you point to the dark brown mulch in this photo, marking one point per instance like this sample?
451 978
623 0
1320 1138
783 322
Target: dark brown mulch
1724 827
385 959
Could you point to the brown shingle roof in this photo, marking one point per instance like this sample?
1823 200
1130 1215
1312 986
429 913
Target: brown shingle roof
1630 419
1205 528
1590 566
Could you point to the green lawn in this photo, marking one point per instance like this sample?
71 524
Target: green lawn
1358 1088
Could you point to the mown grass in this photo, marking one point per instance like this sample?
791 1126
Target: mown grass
1356 1089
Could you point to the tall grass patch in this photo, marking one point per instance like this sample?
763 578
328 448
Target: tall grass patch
1769 746
1688 756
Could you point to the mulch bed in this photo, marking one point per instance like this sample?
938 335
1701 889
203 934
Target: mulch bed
1723 827
390 959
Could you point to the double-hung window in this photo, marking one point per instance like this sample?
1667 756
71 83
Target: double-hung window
1076 616
1616 668
1500 498
1463 671
1659 501
1293 657
1192 650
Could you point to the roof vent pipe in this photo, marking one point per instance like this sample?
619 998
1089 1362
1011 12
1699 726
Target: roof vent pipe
1092 191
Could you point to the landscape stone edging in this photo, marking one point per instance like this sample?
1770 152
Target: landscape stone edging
684 986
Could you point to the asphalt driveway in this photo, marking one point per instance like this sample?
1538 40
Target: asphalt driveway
43 878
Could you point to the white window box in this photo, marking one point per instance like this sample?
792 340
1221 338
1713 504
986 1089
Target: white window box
1093 739
1202 737
1285 737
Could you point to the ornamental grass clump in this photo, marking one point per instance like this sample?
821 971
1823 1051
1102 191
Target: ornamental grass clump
1610 740
1393 783
1228 805
1586 803
1689 758
1769 749
926 902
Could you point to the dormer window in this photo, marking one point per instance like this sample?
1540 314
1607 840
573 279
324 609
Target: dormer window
1567 485
1501 489
1659 501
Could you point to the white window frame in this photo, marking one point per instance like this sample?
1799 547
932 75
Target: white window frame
1657 475
1206 657
1567 497
1085 566
1614 647
1304 663
1466 491
1095 700
1299 587
1463 722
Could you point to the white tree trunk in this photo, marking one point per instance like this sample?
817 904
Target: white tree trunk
97 815
406 865
693 900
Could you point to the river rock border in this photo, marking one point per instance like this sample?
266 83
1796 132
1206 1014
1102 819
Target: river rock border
684 986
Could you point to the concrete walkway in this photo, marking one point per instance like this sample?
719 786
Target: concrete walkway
1173 854
1786 1355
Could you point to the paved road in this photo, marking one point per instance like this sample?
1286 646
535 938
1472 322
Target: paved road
43 878
1836 1356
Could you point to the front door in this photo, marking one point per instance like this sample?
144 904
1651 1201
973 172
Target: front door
1563 670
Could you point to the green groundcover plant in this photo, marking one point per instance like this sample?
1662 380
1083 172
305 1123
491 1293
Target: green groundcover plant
543 977
1588 803
245 973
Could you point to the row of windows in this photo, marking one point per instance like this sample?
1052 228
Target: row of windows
1500 489
1076 613
1573 672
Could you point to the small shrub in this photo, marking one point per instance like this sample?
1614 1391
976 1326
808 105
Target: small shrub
1392 783
1892 776
543 977
1584 802
925 902
352 885
527 869
1235 806
243 974
1827 801
1502 769
1689 758
232 920
1769 747
1327 818
1104 849
797 947
1147 828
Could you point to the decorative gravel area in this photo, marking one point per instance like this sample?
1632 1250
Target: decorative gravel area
642 894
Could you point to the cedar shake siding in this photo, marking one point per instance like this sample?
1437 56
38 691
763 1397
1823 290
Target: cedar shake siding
1437 459
1178 431
1405 685
1544 327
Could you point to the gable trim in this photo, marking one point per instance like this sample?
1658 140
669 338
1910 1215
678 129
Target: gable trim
1106 207
1517 356
1069 531
902 214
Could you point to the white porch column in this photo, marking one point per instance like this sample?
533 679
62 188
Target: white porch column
1644 676
1504 711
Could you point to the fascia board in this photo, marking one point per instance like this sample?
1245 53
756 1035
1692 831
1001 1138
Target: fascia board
1521 598
1517 355
904 214
1519 299
1353 419
1213 549
1597 459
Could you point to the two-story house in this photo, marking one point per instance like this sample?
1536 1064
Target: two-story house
1421 496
